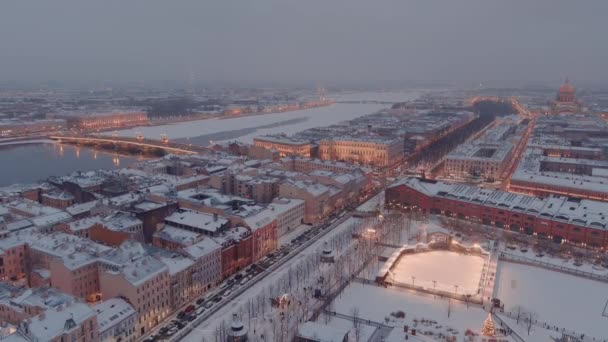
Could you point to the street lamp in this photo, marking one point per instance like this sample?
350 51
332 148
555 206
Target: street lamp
413 280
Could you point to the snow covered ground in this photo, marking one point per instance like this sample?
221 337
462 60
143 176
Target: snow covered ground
557 261
558 299
376 202
448 269
342 323
376 304
207 328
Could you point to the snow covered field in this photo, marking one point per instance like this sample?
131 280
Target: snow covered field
376 304
445 267
558 299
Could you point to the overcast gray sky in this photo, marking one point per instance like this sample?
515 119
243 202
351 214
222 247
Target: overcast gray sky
303 40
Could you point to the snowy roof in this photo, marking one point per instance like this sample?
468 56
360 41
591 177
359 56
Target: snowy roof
321 333
121 221
74 251
204 247
80 208
111 312
42 297
50 219
141 270
529 170
32 208
175 262
54 322
197 220
84 223
581 212
178 235
148 205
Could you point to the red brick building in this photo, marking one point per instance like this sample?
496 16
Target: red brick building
560 218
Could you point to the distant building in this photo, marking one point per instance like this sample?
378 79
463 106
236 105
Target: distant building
374 151
565 102
101 121
557 218
286 146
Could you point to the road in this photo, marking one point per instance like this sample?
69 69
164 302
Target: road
220 300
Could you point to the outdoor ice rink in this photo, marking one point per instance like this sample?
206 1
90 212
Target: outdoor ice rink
445 267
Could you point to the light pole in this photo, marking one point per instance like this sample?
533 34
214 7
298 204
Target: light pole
413 280
455 288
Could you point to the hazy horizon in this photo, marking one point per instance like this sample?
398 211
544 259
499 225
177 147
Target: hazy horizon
288 41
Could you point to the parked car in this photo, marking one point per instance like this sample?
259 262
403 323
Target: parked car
189 309
208 304
200 310
181 315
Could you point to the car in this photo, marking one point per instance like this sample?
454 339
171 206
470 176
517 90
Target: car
245 280
172 331
238 276
270 255
200 310
226 293
181 315
229 281
191 318
217 299
189 309
180 325
200 301
208 305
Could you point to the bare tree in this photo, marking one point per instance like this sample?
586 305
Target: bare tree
530 319
356 324
449 306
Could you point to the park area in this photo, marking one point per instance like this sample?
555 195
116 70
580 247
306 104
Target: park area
554 299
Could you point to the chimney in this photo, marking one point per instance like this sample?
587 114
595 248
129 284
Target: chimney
214 217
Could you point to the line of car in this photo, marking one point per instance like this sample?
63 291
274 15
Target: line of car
191 312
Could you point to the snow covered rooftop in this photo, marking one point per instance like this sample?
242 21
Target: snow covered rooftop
74 251
196 220
77 209
55 322
204 247
577 211
321 333
121 221
178 235
111 312
84 223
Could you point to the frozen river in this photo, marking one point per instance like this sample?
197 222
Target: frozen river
244 129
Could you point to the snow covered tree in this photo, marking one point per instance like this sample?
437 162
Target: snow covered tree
488 328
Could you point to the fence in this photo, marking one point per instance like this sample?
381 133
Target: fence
502 323
552 267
